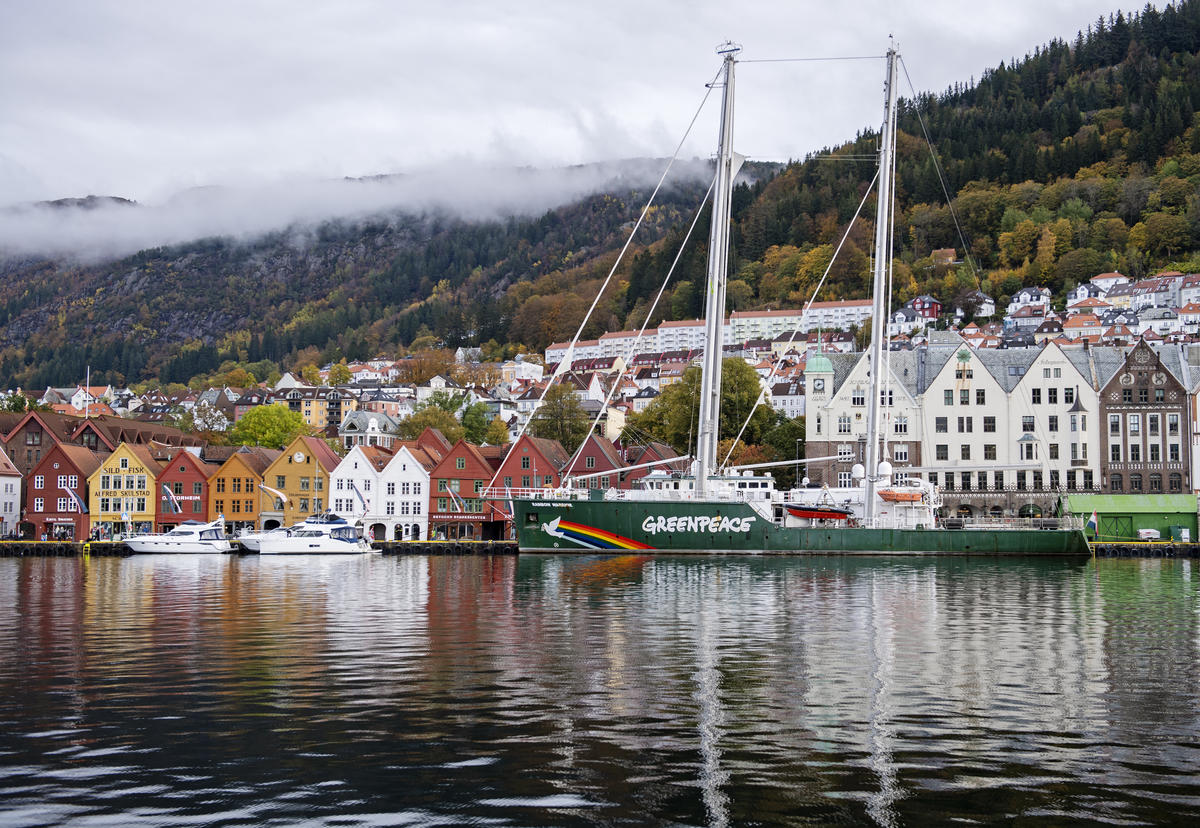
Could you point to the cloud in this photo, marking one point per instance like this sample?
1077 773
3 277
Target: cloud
105 228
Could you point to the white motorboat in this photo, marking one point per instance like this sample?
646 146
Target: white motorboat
325 534
189 537
251 540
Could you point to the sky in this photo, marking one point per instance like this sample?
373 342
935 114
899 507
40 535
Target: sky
145 99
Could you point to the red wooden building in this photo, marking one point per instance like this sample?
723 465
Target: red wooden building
182 490
56 488
455 508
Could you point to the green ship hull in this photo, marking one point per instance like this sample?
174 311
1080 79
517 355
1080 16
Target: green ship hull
707 527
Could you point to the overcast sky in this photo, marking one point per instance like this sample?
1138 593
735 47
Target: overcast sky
144 99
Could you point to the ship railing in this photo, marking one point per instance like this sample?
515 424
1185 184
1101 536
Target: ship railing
1002 523
532 493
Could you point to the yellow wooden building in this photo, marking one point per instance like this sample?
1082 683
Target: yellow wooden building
301 475
122 493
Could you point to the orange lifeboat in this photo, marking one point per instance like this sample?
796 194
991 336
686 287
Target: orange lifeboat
900 496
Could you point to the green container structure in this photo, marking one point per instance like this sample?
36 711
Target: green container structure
1121 516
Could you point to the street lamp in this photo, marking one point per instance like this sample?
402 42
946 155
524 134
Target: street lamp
796 482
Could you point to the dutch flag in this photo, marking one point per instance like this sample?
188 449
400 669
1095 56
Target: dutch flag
1093 522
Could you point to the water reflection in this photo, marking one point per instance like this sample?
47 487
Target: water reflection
614 690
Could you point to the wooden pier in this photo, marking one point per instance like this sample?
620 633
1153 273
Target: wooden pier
62 549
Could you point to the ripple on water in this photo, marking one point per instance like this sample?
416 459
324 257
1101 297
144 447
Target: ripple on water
557 691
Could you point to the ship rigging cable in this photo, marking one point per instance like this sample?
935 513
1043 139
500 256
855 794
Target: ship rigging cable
708 87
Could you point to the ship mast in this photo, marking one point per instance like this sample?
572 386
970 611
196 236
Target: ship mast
879 315
718 265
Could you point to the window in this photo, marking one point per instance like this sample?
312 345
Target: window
1028 451
280 482
305 484
39 504
1135 424
442 504
1173 425
1156 482
845 453
461 462
39 481
525 461
1052 423
1126 395
1173 452
901 425
1152 421
1052 396
1176 481
124 464
1068 395
1114 424
989 425
1021 478
1143 395
948 397
1135 482
390 489
1159 395
1087 479
1116 483
62 481
965 450
1027 423
998 479
989 451
61 505
964 396
965 425
1037 396
1114 452
1045 373
1054 451
933 478
900 454
1135 453
198 488
941 424
844 424
1037 480
844 480
966 481
303 504
1155 453
858 397
942 451
980 396
1054 478
589 463
104 504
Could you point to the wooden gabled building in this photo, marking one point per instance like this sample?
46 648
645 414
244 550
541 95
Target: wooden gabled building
56 499
301 474
233 487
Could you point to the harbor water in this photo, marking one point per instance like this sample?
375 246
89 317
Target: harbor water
577 690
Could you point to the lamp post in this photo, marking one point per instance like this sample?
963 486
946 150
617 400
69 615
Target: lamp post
796 482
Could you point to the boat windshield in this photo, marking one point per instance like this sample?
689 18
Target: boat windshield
344 533
211 534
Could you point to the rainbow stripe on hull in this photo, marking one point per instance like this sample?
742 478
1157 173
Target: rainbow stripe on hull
591 537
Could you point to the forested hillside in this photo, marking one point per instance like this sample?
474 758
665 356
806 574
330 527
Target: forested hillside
1082 157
